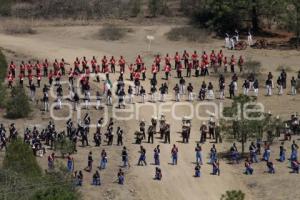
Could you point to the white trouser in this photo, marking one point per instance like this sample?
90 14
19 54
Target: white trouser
222 94
137 90
280 90
46 105
294 91
235 85
210 94
181 89
123 102
109 101
130 98
227 42
250 41
232 43
190 96
59 102
246 90
86 104
143 98
256 91
162 97
251 85
98 104
153 97
177 97
269 90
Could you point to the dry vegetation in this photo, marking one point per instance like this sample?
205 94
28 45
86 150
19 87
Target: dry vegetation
14 27
113 32
283 67
188 33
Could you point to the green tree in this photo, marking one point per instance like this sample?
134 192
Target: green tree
5 7
22 178
59 186
243 128
233 195
292 18
155 7
3 95
3 66
19 158
135 7
64 145
18 105
227 15
3 71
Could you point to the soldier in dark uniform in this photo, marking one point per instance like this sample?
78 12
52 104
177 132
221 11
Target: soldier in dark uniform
151 134
167 133
211 129
142 128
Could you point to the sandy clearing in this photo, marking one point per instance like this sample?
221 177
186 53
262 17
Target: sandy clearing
177 183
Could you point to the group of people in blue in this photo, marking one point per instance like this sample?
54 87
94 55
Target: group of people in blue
235 158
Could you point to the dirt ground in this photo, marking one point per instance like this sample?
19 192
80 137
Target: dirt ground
178 181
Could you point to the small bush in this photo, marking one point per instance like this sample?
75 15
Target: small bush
18 105
219 18
60 186
64 146
3 71
286 68
14 27
22 177
298 85
252 66
155 7
3 95
188 33
5 7
113 32
19 158
233 195
135 7
3 67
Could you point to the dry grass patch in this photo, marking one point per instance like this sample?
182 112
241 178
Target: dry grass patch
14 27
113 32
188 33
284 67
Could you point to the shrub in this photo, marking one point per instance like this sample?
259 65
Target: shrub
55 192
233 195
188 33
298 85
5 7
286 68
3 66
64 145
155 7
18 105
3 69
252 66
14 27
135 7
19 158
113 32
59 186
3 95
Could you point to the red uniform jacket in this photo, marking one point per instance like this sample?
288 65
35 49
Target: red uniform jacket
167 68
